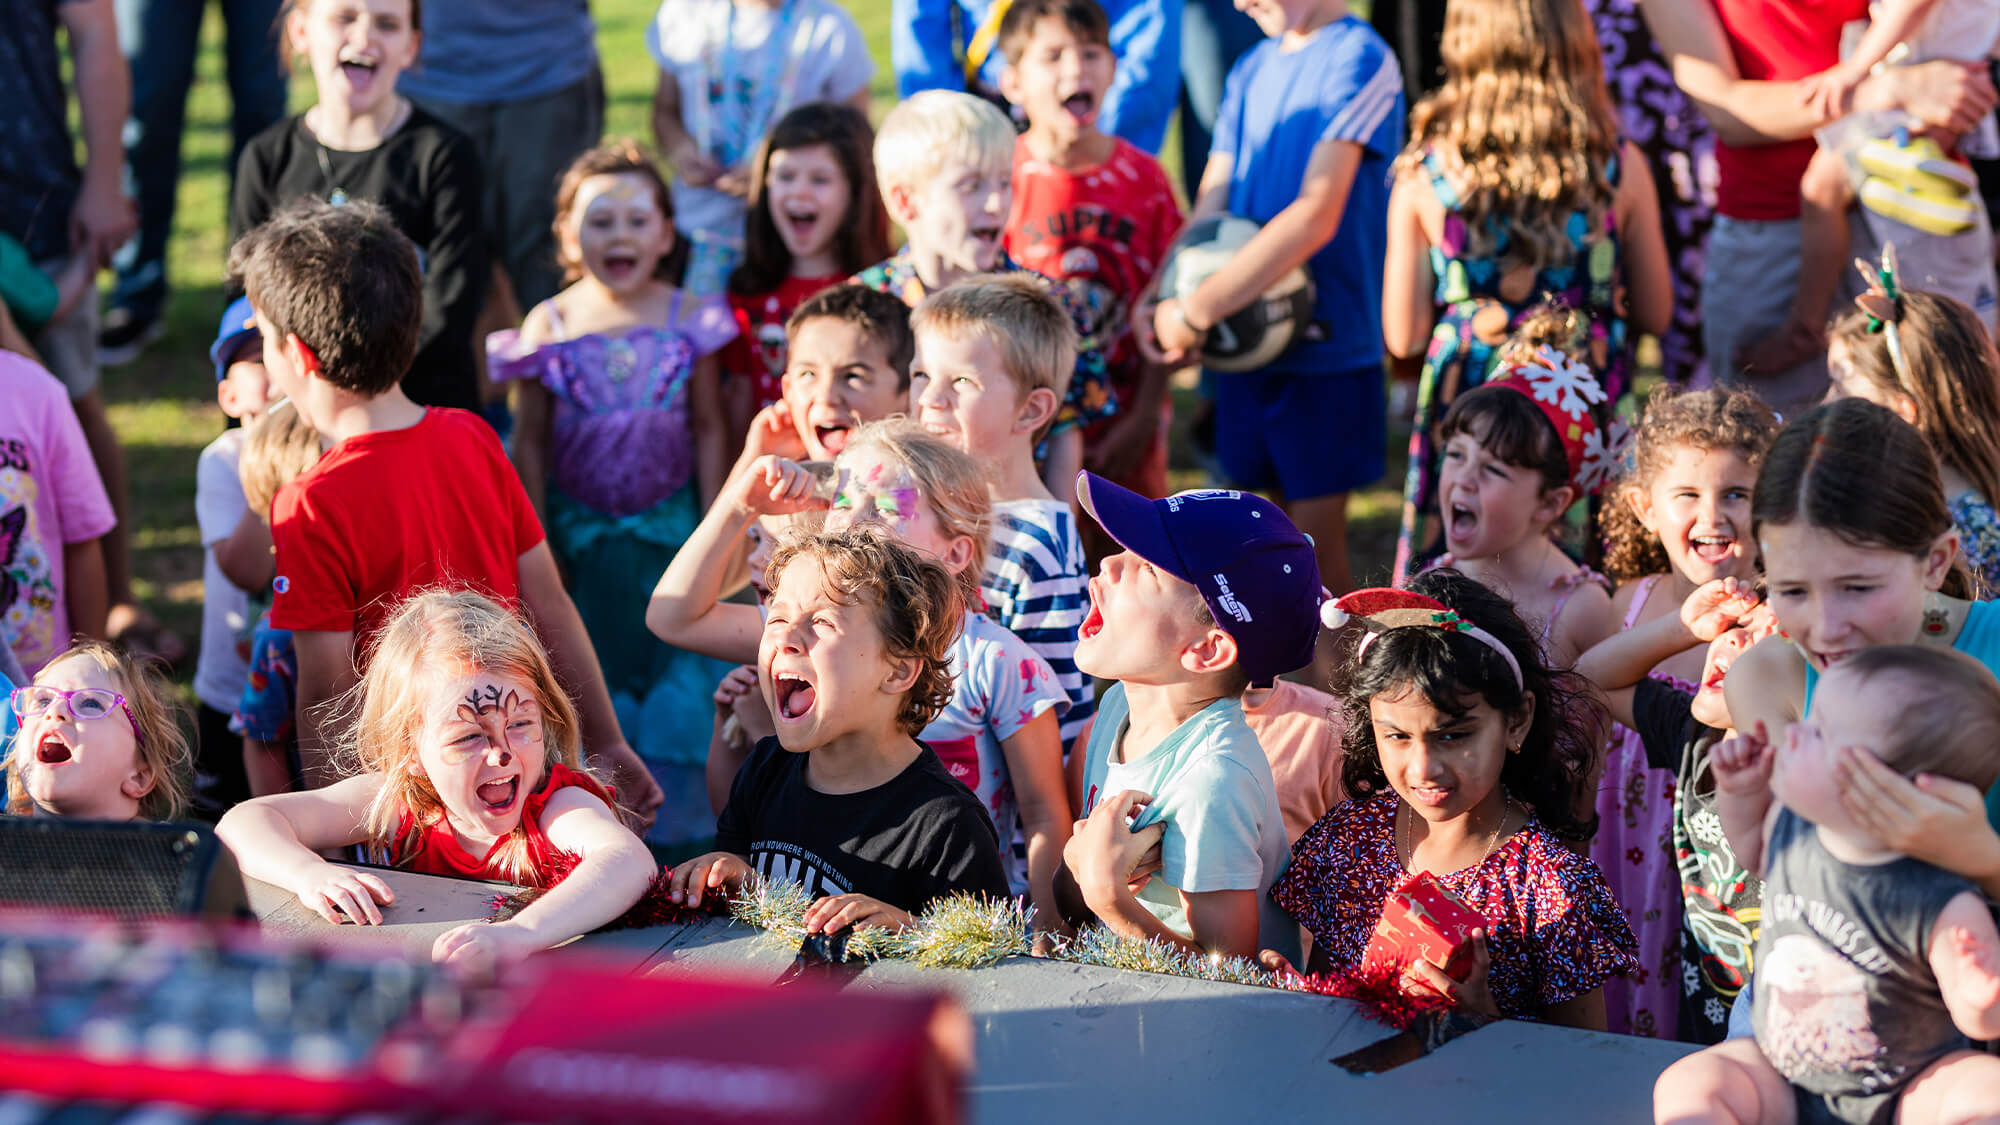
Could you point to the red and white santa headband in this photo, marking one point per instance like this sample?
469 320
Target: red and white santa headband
1565 391
1382 609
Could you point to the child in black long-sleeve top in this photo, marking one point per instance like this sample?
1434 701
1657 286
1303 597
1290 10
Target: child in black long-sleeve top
362 141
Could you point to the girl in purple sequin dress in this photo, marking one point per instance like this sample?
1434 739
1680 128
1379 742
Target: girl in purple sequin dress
620 445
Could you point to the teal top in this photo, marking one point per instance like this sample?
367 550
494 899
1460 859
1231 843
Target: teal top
1979 639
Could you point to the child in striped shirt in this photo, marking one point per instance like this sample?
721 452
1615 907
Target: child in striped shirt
994 356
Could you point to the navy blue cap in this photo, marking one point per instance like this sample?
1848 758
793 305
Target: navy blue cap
238 324
1255 569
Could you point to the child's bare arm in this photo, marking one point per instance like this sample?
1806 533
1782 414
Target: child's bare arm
326 672
1889 22
1965 955
711 438
612 872
266 768
552 613
1767 685
738 692
86 590
1408 313
1034 762
244 556
1649 280
686 609
1742 767
277 840
1585 620
1630 655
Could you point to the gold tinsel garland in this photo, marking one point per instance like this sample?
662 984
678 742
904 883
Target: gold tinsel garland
965 932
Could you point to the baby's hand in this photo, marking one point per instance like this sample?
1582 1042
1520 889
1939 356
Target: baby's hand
773 486
1716 606
835 913
342 894
719 873
481 947
1742 765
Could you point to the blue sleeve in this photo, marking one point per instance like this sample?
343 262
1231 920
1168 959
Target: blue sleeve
1146 38
921 47
1229 118
1367 86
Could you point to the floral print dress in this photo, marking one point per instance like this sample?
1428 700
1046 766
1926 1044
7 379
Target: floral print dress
1557 934
1478 309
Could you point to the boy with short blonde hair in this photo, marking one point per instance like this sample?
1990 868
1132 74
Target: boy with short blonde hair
944 162
992 366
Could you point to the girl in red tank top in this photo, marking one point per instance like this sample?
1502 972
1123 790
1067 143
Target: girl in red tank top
468 765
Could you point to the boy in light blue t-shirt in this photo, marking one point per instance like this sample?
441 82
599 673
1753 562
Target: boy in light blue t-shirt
1214 591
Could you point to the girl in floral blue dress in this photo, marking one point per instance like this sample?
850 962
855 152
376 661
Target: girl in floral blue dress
619 443
1515 191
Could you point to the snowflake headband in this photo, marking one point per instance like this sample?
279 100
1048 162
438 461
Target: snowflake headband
1883 302
1565 391
1382 609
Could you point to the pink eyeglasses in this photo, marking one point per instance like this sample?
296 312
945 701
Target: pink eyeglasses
83 703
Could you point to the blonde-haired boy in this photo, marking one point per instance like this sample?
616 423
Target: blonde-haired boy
945 164
995 356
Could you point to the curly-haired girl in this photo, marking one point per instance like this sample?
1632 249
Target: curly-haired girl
1515 186
854 662
1680 515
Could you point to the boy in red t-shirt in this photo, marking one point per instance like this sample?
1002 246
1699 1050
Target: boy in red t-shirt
405 498
1092 211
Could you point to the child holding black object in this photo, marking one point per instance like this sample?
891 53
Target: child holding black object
1213 592
1875 969
1466 758
1720 903
844 800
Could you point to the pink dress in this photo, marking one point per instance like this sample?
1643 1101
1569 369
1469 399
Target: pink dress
1635 850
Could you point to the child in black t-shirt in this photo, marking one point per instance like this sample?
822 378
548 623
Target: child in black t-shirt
1721 903
844 800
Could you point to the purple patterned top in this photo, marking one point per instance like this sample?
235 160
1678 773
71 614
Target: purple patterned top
622 435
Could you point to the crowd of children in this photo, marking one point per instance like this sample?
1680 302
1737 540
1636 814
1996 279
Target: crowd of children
802 556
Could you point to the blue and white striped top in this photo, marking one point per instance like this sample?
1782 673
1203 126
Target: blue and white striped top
1035 585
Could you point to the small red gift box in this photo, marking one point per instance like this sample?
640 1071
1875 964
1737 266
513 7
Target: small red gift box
1423 919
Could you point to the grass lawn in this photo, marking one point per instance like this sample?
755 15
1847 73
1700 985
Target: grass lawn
163 405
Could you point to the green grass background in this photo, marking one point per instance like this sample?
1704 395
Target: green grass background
163 404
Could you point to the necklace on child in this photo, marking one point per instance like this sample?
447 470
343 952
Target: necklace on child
336 194
1406 852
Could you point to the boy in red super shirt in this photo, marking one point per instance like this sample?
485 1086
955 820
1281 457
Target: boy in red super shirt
1092 211
405 498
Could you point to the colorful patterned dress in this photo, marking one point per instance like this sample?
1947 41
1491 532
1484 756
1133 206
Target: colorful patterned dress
622 498
1474 321
1557 933
1634 847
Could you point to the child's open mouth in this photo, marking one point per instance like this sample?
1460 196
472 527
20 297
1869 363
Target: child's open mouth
51 750
1431 795
833 439
795 695
621 264
360 74
1712 548
988 237
1462 522
799 221
1093 622
1080 104
498 796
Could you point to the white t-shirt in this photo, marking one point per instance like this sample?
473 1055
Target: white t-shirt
999 686
1211 785
706 43
224 664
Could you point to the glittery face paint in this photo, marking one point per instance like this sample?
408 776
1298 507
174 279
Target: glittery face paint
620 230
876 489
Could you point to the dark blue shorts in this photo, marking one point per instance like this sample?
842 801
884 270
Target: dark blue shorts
1303 436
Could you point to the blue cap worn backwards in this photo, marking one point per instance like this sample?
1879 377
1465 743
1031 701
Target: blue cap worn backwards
238 325
1256 571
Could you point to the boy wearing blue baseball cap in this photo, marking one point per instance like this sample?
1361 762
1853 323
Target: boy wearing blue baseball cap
236 560
1214 591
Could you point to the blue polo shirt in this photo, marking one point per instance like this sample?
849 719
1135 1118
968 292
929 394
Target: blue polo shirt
1341 84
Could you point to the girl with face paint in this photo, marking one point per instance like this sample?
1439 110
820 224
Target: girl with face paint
469 765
